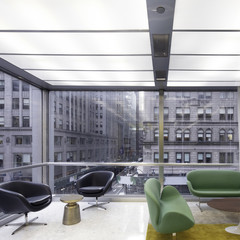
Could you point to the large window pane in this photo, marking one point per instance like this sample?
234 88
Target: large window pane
21 130
104 127
209 137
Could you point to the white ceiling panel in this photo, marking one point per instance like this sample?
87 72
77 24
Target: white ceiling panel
216 76
207 15
75 43
205 43
183 62
94 75
73 14
104 63
103 84
205 49
202 84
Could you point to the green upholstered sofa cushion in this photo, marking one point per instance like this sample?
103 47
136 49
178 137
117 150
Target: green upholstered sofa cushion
214 183
168 210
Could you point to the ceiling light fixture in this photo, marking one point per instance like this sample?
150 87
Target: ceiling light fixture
160 10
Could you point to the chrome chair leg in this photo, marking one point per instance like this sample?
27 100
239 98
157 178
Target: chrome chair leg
97 205
26 223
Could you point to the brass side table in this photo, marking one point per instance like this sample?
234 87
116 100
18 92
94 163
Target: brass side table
71 210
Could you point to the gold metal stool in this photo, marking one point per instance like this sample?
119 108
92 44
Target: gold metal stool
71 210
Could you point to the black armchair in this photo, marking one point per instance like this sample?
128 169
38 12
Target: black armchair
95 184
20 197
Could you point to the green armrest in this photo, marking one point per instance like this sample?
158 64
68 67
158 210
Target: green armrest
169 211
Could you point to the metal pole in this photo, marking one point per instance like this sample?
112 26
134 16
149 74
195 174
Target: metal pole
160 136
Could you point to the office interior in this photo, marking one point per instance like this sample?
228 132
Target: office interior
146 89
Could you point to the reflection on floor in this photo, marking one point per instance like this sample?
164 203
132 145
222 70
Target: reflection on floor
121 221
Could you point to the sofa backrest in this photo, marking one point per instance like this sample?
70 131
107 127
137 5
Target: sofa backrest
217 179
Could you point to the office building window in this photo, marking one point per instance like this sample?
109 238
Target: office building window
155 114
230 95
156 135
23 140
187 135
186 94
166 113
200 157
222 113
156 157
230 113
15 103
230 157
222 137
208 157
25 87
178 157
22 159
26 103
186 114
208 135
208 113
15 121
179 135
179 94
60 108
165 135
208 95
67 125
200 113
2 86
57 157
60 125
58 141
26 121
1 103
71 140
179 113
200 135
230 135
15 85
222 157
71 156
1 121
165 157
186 157
201 95
1 160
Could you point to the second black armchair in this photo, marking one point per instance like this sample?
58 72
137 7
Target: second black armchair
20 197
95 184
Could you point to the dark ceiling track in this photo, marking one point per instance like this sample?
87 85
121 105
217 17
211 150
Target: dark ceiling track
160 16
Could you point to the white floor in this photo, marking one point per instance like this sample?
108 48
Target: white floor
121 221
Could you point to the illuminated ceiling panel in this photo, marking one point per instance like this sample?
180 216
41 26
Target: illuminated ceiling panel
67 42
205 49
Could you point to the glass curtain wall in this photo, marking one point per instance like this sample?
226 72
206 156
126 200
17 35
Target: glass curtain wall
199 127
112 126
20 128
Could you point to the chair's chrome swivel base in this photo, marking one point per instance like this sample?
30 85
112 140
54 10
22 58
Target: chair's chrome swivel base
26 223
97 205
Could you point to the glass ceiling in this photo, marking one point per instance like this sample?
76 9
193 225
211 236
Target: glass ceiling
82 43
205 49
107 42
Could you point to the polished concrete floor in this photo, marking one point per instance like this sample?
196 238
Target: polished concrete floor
121 221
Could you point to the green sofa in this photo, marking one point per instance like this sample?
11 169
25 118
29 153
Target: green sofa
214 183
168 210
